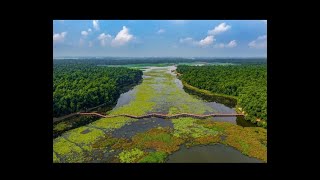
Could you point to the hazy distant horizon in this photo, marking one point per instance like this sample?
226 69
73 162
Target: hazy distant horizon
241 57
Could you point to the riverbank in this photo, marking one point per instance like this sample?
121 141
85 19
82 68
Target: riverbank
206 92
74 120
225 99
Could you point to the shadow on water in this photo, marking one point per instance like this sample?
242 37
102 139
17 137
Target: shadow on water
244 123
229 102
222 105
217 153
125 98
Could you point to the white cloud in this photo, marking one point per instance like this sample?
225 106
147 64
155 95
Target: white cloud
122 37
96 24
232 44
219 29
211 38
59 37
104 38
84 33
206 41
186 40
259 43
264 37
161 31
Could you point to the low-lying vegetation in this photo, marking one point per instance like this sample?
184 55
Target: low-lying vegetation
85 143
154 157
159 139
130 156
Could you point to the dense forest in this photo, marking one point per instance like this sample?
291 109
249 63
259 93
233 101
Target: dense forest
247 82
80 86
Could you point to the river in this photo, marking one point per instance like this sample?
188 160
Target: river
160 91
126 97
210 153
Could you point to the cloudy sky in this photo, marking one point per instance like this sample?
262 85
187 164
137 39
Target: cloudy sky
142 38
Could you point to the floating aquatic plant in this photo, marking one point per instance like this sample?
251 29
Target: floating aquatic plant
158 139
154 157
67 150
130 156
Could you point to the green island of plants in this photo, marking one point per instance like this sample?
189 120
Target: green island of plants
130 156
154 157
67 150
159 139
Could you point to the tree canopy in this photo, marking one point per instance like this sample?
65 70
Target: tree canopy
80 86
247 82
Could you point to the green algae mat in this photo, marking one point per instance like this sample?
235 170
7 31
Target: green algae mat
160 91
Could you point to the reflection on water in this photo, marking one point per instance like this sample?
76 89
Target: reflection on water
244 123
217 153
179 83
221 105
229 102
223 109
125 98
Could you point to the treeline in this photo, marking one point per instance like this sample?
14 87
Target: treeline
80 86
156 60
247 82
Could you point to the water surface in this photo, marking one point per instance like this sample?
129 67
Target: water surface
217 153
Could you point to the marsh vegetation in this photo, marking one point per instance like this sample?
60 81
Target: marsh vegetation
155 140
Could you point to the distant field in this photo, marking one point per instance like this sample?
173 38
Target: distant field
164 61
141 66
205 63
145 65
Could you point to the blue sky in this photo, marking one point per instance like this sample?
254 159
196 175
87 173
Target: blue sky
146 38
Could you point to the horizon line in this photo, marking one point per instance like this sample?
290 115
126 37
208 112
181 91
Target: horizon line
160 57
